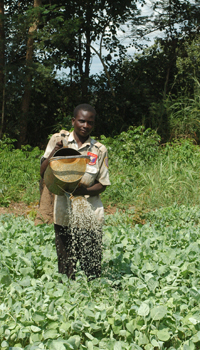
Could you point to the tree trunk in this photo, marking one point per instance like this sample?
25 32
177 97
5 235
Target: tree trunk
2 61
28 79
105 69
80 60
84 57
87 55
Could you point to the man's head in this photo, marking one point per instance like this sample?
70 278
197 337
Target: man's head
83 120
84 107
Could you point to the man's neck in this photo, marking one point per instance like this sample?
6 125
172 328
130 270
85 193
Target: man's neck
80 140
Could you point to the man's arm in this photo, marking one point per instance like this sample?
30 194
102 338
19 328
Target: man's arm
94 190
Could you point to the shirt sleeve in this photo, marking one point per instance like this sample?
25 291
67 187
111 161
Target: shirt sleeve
103 175
51 144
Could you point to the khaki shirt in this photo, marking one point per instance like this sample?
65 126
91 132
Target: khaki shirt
97 169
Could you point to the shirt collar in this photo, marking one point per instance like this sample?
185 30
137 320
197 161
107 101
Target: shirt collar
72 139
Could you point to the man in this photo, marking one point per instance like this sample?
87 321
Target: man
73 244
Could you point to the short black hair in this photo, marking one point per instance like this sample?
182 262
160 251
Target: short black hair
84 107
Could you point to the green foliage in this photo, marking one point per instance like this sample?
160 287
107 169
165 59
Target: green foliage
140 90
143 174
128 153
184 120
19 179
182 151
6 143
188 61
172 175
147 298
64 30
135 146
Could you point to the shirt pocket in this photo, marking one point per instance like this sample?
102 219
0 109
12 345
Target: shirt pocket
90 175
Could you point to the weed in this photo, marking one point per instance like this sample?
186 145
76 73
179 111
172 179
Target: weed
19 179
143 175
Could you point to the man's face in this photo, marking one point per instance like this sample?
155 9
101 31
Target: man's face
83 123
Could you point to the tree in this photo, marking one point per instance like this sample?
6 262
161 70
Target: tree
97 20
2 77
29 58
188 62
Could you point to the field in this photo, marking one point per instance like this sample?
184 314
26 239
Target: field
148 295
147 298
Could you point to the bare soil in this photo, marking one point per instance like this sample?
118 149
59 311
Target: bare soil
18 209
22 209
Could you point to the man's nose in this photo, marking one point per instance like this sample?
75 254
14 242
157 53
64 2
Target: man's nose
86 125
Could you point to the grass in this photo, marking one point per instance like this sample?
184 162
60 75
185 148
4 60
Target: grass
19 178
173 175
138 183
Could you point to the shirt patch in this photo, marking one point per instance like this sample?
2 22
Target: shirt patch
93 158
106 162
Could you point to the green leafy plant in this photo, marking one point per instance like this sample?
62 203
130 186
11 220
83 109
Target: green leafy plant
147 298
137 145
19 178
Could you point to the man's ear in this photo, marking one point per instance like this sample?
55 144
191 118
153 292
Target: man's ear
73 119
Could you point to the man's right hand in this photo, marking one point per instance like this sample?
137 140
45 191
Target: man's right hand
58 146
45 163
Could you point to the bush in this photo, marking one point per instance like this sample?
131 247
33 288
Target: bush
135 146
19 173
182 150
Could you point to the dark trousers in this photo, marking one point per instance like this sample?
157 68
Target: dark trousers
78 244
